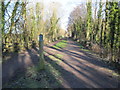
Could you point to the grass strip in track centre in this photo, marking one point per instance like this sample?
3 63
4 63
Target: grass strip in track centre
61 44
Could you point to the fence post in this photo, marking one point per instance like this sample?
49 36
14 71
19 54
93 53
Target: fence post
41 56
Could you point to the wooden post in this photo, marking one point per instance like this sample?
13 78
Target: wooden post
41 56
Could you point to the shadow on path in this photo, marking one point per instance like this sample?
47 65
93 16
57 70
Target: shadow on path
18 63
80 69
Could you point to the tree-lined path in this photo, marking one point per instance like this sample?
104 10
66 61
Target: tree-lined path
77 68
56 43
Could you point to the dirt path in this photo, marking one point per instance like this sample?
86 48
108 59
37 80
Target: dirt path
81 70
78 69
18 63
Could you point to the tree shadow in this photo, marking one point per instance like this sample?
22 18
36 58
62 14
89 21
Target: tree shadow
95 60
8 68
99 81
66 73
112 65
17 67
88 57
68 76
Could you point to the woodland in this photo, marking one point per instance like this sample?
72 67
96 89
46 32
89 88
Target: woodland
87 52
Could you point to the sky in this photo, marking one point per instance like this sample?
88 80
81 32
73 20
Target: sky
65 9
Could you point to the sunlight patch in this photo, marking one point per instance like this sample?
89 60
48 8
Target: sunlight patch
59 55
54 58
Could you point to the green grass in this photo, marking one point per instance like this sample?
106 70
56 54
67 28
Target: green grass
55 47
59 55
54 58
65 41
61 44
